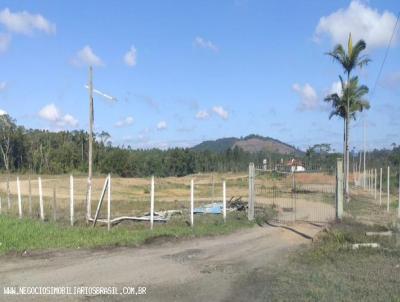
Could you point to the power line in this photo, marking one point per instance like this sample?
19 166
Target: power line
386 54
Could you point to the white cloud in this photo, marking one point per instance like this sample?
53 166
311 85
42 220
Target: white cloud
336 87
5 40
308 97
202 115
125 122
162 125
130 57
25 23
53 115
86 56
2 112
203 43
362 21
50 112
3 86
67 120
221 112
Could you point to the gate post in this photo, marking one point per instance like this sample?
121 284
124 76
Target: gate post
250 210
339 188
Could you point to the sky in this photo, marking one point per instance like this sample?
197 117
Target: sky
180 72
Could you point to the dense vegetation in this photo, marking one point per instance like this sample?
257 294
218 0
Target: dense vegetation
41 151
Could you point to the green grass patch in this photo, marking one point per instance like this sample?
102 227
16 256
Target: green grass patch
330 270
19 235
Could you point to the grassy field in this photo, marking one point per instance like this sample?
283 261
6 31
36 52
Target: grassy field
330 270
28 235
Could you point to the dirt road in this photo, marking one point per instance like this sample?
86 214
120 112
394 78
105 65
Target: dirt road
205 269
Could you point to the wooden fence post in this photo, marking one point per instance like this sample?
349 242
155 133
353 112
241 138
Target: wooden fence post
152 203
191 202
19 198
339 188
388 189
250 210
224 200
71 199
109 203
41 198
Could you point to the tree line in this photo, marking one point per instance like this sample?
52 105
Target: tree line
46 152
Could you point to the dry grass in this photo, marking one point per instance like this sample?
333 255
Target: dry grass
131 196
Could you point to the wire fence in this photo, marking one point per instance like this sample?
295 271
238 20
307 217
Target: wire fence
307 195
20 196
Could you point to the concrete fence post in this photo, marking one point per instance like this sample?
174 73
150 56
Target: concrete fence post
380 187
370 180
250 211
8 193
398 206
41 198
388 189
54 203
152 203
19 198
30 196
339 189
109 203
224 200
191 202
71 199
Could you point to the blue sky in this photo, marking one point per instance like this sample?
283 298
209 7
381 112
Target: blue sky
186 71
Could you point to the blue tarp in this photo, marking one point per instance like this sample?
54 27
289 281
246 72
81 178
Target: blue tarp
212 208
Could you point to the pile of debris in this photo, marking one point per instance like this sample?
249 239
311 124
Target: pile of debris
217 207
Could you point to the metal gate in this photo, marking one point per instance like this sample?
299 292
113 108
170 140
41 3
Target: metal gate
294 194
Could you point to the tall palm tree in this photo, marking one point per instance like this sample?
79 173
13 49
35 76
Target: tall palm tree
346 104
349 61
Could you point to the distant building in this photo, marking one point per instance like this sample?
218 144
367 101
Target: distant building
296 165
265 164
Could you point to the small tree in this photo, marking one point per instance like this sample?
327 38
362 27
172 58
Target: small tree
7 129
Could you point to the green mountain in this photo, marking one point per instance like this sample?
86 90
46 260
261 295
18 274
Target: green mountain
251 143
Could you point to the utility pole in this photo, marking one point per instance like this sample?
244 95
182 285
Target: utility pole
90 159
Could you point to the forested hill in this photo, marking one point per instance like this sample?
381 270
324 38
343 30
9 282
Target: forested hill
251 143
219 145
